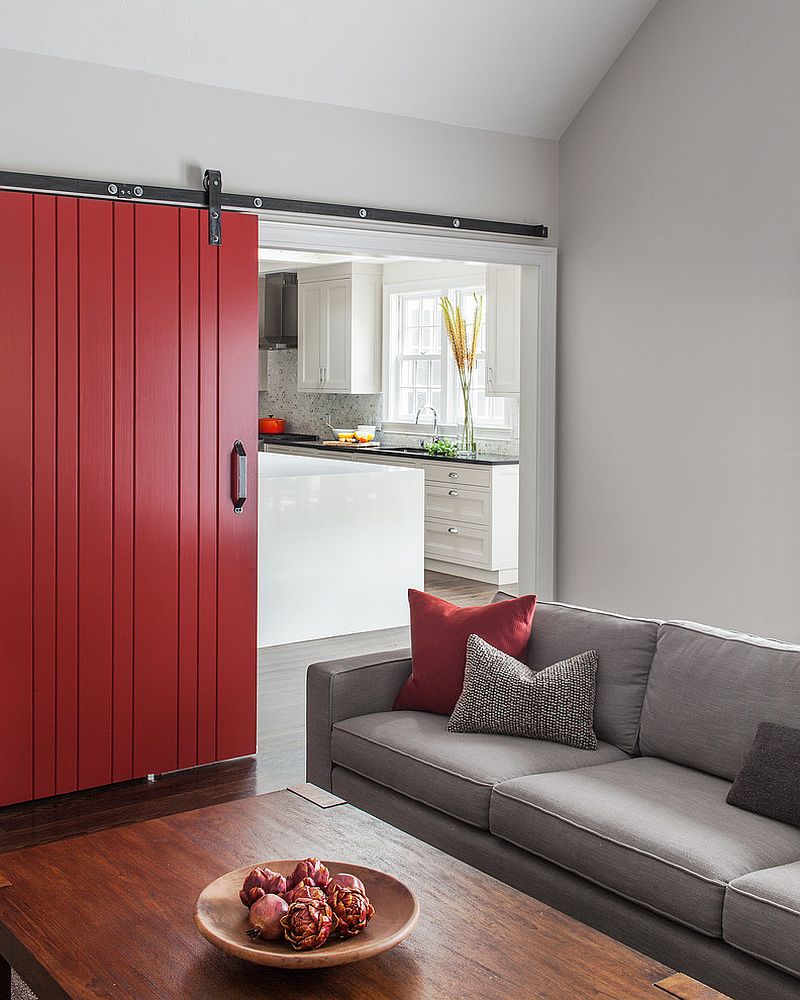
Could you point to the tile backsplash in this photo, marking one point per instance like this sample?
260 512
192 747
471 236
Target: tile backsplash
307 412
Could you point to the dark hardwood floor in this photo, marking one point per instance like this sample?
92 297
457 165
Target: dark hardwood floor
280 760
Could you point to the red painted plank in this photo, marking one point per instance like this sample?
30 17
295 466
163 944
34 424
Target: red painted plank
44 496
122 762
95 501
189 444
207 510
238 541
67 490
155 705
16 391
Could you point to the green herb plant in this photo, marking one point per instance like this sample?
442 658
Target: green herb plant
441 448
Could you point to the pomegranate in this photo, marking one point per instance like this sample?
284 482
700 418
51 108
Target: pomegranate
345 881
265 917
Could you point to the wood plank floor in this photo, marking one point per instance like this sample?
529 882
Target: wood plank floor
281 743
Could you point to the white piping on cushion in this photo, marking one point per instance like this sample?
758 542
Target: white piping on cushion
404 753
760 899
761 958
408 795
612 840
598 611
616 892
721 633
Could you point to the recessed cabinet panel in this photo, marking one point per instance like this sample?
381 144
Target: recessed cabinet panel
457 474
335 355
503 325
455 542
312 319
459 503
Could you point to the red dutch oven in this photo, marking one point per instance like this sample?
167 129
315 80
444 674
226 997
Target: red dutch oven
271 425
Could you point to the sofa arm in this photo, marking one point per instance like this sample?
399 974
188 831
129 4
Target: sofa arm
344 689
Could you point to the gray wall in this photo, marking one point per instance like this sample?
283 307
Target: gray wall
65 117
679 340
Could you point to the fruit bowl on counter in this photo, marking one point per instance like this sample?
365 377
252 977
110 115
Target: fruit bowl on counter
305 914
362 434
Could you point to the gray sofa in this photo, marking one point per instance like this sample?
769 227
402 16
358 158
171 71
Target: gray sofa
635 838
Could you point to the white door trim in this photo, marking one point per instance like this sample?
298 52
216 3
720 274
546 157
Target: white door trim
537 355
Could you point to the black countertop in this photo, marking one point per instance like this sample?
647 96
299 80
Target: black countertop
414 453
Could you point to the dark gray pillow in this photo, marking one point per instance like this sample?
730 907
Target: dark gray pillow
768 781
505 697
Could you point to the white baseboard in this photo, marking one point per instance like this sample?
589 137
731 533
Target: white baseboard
497 577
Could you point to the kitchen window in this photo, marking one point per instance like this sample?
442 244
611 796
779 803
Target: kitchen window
420 369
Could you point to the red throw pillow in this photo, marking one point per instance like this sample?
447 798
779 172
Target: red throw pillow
439 633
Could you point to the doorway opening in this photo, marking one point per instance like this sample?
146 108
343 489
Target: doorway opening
361 349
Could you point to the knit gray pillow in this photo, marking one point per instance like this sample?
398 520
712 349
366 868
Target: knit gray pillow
505 697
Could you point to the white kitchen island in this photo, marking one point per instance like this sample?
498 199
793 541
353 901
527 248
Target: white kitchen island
339 544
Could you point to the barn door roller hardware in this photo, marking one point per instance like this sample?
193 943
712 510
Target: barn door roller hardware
212 182
213 199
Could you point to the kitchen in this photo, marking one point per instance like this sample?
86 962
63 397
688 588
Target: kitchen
374 475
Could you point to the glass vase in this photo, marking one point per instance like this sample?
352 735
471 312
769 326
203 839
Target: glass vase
467 443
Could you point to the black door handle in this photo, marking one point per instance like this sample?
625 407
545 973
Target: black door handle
238 476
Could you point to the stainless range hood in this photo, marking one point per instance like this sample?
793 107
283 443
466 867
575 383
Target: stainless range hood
277 311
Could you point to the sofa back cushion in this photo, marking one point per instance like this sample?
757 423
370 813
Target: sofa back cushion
625 648
709 690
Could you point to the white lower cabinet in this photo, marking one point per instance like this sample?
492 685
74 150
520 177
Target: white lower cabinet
472 520
471 516
471 512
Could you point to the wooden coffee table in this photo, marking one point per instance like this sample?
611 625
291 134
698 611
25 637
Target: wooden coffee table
110 915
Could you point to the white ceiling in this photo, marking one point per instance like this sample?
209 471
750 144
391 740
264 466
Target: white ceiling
521 66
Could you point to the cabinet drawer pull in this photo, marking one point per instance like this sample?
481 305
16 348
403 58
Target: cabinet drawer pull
453 475
452 493
453 531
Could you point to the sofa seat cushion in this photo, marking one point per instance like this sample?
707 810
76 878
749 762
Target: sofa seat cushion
651 831
761 916
414 754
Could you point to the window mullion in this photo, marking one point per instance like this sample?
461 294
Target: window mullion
450 402
452 370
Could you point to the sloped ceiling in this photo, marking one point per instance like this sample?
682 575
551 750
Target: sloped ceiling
520 66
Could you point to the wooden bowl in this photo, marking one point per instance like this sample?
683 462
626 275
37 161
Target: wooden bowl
222 920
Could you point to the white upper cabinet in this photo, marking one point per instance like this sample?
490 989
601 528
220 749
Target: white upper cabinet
339 328
503 325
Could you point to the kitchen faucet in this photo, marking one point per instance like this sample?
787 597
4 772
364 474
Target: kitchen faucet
422 409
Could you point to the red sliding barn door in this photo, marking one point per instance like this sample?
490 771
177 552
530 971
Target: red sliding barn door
127 622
